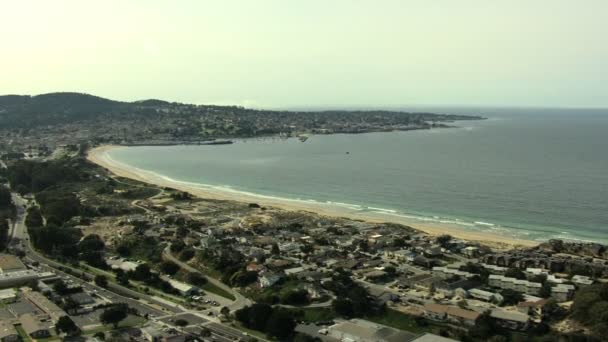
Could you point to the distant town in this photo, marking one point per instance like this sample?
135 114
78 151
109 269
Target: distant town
88 255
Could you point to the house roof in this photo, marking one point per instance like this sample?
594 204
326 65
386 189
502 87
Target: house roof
509 315
7 329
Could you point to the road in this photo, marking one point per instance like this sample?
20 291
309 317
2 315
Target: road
143 303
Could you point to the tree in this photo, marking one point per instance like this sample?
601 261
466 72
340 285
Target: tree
196 278
114 314
60 287
181 322
511 297
280 324
295 297
545 290
225 311
275 249
343 307
443 240
169 267
67 326
515 273
101 280
141 272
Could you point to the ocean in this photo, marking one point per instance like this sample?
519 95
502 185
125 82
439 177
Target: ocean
532 174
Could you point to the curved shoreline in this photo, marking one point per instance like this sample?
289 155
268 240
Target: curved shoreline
99 156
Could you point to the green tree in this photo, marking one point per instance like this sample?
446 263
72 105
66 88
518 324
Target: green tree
443 240
114 314
196 278
511 297
101 280
67 326
280 324
181 322
169 267
515 273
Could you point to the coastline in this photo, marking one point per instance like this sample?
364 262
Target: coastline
99 156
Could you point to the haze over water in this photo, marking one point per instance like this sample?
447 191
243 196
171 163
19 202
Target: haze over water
531 173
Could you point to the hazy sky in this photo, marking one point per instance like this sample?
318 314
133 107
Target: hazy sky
286 53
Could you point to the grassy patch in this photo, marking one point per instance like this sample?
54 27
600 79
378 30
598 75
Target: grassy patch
399 320
208 287
22 333
315 314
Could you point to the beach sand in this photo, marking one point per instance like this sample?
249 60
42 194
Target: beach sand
100 157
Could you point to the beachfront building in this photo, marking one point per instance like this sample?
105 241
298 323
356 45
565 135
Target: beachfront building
446 273
518 285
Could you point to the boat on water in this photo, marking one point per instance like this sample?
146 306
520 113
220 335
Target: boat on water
303 137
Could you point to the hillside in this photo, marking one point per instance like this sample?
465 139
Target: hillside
147 120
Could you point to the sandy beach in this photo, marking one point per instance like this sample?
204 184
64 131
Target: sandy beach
99 156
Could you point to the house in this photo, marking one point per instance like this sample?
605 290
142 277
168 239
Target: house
581 281
10 263
471 251
562 292
486 296
8 296
435 312
534 309
8 333
269 279
461 316
17 278
375 274
151 333
453 314
428 337
183 288
445 273
43 303
424 262
254 267
34 326
433 251
518 285
513 320
294 270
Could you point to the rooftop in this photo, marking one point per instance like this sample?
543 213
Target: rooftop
10 263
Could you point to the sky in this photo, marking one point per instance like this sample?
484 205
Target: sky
311 53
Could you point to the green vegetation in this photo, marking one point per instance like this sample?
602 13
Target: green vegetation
209 287
352 299
114 314
275 322
314 314
399 320
142 248
590 307
6 212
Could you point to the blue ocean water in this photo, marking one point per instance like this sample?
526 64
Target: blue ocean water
529 173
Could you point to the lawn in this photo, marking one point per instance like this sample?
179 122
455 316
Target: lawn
399 320
315 314
208 287
22 333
